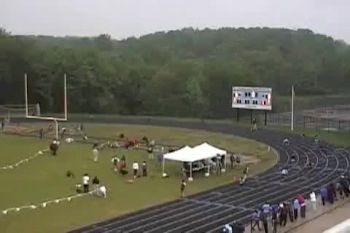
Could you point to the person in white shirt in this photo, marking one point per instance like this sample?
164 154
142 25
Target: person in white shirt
227 229
86 180
313 200
284 172
95 153
135 167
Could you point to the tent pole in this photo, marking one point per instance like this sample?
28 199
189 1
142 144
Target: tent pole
163 166
191 170
208 167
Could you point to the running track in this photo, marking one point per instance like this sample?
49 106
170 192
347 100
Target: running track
209 210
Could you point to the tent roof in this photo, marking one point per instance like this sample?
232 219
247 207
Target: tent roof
182 154
200 152
209 149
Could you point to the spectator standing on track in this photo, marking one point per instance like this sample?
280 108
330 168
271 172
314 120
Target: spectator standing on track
255 220
274 218
330 196
345 185
313 200
182 187
263 219
86 180
290 210
340 190
302 203
324 195
144 168
296 207
283 214
135 167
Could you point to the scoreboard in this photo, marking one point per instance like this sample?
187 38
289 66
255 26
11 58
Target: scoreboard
259 98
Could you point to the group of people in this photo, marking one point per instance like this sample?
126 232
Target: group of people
98 190
121 166
278 214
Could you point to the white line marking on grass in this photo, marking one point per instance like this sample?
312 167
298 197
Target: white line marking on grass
15 165
44 204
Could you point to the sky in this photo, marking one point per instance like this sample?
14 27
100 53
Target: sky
125 18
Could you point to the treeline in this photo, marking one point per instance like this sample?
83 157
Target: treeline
179 73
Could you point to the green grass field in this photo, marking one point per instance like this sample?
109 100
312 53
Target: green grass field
44 178
336 138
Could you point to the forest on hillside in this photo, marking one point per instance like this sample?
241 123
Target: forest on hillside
186 72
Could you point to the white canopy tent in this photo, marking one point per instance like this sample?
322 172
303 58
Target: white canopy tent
203 151
207 148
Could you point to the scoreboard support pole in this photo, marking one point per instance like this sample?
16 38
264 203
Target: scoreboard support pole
265 118
251 116
237 114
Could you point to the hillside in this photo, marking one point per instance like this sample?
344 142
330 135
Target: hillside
178 73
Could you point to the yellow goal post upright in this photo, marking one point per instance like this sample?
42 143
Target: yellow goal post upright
48 118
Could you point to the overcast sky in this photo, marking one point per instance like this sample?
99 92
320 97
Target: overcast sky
124 18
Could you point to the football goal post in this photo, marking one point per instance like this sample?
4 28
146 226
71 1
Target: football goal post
46 118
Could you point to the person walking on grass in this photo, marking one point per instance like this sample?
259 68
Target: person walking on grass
182 187
86 180
95 152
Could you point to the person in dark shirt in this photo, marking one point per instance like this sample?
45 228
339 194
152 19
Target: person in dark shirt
232 160
283 214
238 160
144 168
263 219
96 183
54 147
